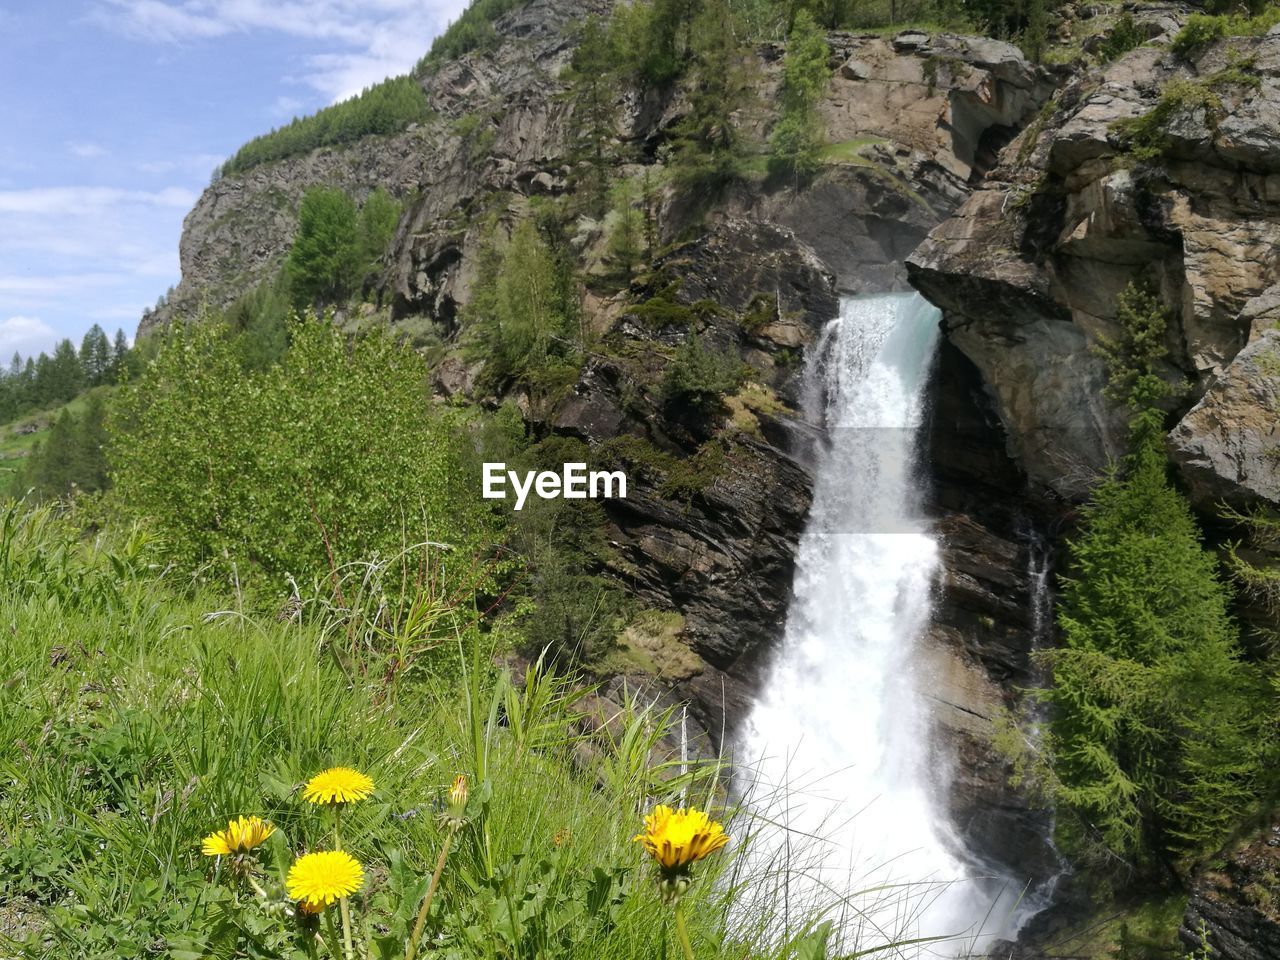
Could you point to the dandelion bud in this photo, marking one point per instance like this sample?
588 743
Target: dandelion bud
458 794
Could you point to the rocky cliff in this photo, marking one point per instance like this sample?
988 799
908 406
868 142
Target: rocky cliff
1030 267
1028 271
1015 203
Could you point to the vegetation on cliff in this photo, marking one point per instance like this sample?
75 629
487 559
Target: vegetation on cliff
1160 733
384 108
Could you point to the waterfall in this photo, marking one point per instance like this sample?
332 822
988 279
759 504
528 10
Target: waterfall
836 748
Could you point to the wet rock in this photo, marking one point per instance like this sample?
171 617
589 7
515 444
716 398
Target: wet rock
1234 903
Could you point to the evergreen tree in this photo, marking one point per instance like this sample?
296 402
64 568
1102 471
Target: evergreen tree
66 373
95 356
593 93
796 141
523 315
379 218
1155 738
706 138
73 458
325 260
120 357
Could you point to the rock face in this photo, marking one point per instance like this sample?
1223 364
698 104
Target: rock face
1236 907
1228 445
1027 272
496 125
1029 268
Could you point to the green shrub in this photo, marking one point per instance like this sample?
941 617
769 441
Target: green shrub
330 455
1124 35
1202 29
700 377
385 108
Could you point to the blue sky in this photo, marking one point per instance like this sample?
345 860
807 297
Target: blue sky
114 113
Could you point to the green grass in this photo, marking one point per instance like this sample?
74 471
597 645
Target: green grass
850 151
138 717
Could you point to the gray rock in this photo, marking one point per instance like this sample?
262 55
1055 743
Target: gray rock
1227 447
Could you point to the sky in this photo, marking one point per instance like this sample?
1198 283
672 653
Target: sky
114 114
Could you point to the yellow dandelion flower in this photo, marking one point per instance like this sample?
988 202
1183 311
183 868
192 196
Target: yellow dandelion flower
337 785
318 879
677 839
242 833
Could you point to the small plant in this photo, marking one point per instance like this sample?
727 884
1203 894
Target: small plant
676 840
700 377
1125 35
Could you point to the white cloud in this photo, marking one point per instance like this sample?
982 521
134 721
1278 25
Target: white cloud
25 335
286 107
382 38
87 150
73 201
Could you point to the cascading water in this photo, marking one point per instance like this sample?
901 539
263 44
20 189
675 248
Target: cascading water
836 748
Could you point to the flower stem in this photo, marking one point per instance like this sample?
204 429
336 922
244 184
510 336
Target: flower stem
342 903
682 933
333 936
426 901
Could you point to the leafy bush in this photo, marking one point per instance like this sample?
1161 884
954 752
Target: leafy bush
330 455
385 108
1202 29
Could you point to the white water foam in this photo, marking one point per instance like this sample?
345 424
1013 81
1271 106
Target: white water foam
836 748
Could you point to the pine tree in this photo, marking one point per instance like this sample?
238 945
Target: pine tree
796 140
592 91
67 374
378 220
706 139
1156 738
95 356
120 357
325 261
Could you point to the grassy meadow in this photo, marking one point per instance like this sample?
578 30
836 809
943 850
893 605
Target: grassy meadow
140 714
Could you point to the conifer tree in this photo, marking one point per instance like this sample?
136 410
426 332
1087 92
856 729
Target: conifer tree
325 260
120 353
592 92
797 137
1155 734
